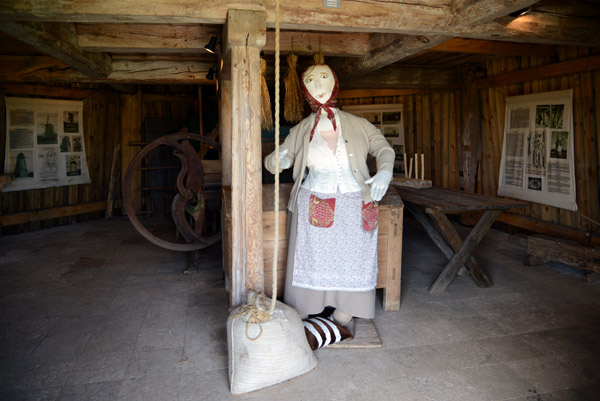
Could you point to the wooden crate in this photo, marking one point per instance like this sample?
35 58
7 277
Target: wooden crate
389 244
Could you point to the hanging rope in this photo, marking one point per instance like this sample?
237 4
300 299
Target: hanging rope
293 106
266 120
276 195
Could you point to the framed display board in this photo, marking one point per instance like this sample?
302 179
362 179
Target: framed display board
45 146
388 118
537 153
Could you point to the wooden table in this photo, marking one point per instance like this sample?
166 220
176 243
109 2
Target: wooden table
437 203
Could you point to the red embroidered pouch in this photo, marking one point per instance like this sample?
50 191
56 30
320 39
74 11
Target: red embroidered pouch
321 211
370 215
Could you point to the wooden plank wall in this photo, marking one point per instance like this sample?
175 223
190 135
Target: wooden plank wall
177 106
432 120
430 127
101 128
586 118
172 102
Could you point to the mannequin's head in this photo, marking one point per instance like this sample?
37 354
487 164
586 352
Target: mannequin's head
319 84
320 88
319 81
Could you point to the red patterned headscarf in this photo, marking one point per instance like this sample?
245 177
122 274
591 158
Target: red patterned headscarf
317 106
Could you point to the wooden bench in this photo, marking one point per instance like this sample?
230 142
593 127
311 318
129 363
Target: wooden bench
542 248
389 251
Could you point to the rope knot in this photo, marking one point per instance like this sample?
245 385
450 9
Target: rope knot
256 311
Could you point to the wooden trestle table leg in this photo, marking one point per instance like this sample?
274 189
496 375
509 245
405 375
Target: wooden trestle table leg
451 236
459 258
431 231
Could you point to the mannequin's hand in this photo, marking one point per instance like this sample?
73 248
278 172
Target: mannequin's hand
284 161
379 184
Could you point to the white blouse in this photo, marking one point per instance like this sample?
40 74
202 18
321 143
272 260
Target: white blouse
329 172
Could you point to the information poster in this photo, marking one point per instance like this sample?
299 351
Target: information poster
388 118
45 146
537 154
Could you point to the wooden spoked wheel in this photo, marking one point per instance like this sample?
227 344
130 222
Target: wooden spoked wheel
187 207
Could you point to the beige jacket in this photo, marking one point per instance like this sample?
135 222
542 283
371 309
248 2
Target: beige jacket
361 137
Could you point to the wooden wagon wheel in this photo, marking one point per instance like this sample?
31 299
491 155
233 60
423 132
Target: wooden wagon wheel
189 186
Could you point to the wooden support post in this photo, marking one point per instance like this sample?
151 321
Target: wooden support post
224 89
203 146
469 140
224 80
114 170
244 37
131 131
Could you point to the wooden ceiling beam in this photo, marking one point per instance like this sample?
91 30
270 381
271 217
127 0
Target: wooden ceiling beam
396 77
535 27
425 17
563 68
149 38
154 38
475 12
385 49
362 93
305 15
478 46
330 44
48 91
58 41
49 70
578 8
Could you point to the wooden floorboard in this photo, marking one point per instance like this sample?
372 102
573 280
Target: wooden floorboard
365 336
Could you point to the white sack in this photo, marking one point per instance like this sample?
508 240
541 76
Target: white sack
280 353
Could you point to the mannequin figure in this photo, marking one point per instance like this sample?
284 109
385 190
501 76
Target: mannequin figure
332 254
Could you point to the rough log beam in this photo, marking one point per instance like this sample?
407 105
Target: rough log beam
58 41
545 71
478 46
539 28
45 90
354 16
153 38
49 70
385 49
307 43
425 18
393 77
580 8
475 12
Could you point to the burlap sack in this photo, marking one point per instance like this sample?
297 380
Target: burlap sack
267 353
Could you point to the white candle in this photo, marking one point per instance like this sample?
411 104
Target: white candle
417 166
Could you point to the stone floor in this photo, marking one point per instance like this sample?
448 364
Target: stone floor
92 311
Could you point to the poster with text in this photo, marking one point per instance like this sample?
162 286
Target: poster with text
44 144
537 154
